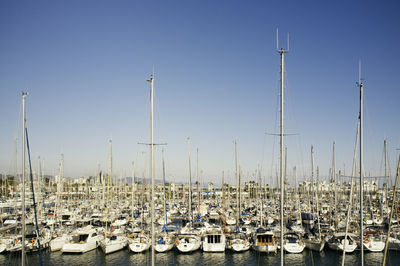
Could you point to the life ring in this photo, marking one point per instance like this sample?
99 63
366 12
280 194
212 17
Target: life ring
366 240
33 241
16 240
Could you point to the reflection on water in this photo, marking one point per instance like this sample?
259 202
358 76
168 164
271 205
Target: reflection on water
374 258
187 258
216 258
295 259
126 257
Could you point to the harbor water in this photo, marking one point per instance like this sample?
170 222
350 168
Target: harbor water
125 257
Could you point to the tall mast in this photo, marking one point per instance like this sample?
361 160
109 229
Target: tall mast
23 262
151 80
360 84
334 174
353 175
312 178
198 182
317 198
282 52
190 183
386 175
223 201
133 185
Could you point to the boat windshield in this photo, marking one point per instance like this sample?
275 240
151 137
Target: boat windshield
80 238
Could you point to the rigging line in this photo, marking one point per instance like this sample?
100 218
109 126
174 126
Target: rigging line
33 197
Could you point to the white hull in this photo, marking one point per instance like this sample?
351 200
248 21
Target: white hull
188 247
57 243
220 247
265 248
374 246
339 247
239 245
110 246
163 247
188 244
139 247
294 247
79 248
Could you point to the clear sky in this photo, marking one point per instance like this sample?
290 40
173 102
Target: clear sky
85 65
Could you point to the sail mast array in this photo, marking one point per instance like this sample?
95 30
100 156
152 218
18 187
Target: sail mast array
360 84
282 52
24 94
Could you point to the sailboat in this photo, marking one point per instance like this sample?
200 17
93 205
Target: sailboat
188 242
314 241
62 238
111 242
339 242
165 241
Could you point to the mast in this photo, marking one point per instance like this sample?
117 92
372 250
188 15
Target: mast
151 80
261 199
353 174
237 185
334 175
198 182
108 182
23 262
190 184
312 178
133 185
391 212
16 163
223 201
165 197
361 173
319 224
282 52
386 175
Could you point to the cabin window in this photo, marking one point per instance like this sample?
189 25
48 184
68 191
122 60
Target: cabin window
211 239
264 240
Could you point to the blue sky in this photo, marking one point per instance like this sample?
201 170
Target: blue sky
85 65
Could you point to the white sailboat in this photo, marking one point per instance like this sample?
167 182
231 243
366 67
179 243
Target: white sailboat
339 242
188 242
165 241
293 243
112 241
239 242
